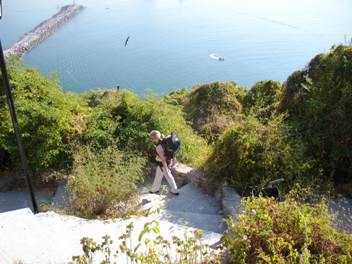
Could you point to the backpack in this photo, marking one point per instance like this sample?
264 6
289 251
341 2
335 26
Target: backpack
171 146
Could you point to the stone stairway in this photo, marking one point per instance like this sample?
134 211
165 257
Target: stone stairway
53 238
21 237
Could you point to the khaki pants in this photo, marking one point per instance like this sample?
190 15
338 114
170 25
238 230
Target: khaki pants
159 174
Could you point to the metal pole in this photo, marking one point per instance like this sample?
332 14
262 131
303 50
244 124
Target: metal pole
23 157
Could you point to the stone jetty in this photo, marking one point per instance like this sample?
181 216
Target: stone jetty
41 32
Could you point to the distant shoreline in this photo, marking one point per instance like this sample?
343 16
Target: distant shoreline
44 30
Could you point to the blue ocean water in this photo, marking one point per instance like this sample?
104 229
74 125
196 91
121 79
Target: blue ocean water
170 40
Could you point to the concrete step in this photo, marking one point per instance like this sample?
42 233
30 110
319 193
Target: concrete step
53 238
22 237
10 201
210 222
68 230
190 199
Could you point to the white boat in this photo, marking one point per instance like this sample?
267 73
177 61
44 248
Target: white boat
215 57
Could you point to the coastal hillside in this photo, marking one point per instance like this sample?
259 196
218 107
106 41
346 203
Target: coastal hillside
97 143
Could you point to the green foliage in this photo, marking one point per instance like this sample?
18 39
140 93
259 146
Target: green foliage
290 232
46 116
54 123
101 122
251 144
102 178
263 99
126 118
318 101
178 97
134 117
212 107
250 153
151 248
167 118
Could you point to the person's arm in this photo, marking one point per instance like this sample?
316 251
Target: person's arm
161 155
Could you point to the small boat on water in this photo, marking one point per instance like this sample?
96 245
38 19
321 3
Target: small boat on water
215 57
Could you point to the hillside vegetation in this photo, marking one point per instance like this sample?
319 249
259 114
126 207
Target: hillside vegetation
318 102
301 130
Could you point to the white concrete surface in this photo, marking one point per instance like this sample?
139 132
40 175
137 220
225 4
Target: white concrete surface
53 238
23 238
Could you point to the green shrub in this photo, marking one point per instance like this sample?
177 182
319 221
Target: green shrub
127 119
46 116
263 99
250 153
271 232
101 178
178 97
138 117
318 100
101 124
133 115
121 117
212 107
166 118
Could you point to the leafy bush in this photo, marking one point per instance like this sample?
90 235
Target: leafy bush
166 118
54 122
46 116
271 232
101 124
178 97
101 178
318 100
126 118
133 115
212 107
250 153
263 98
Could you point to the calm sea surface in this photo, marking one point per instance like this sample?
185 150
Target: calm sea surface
170 40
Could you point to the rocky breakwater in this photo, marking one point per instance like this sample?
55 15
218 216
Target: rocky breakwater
41 32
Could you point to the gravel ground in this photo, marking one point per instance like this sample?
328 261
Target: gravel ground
341 210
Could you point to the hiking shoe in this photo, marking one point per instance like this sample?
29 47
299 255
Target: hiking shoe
154 192
177 193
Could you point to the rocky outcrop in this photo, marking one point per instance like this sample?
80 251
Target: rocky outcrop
180 173
41 32
191 175
230 201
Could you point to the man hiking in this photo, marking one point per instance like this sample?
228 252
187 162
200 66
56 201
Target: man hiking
165 158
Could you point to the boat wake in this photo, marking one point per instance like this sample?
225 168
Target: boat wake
215 57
